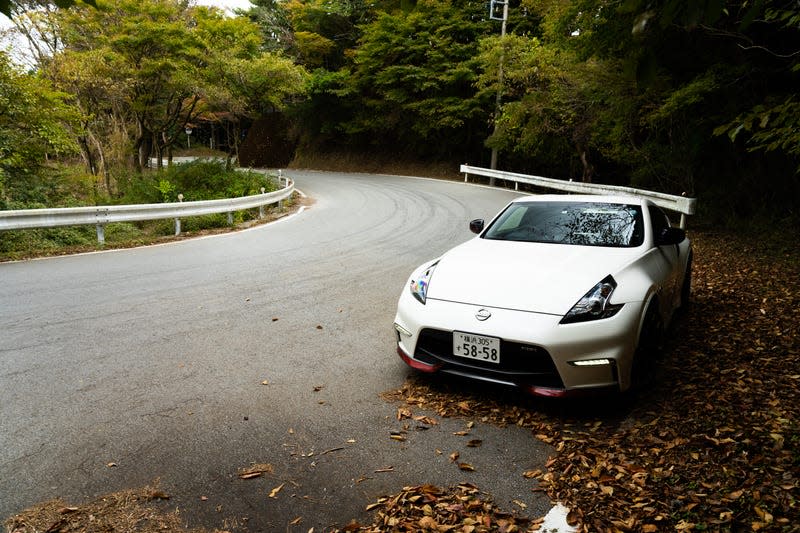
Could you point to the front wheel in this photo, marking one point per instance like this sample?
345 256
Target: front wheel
643 370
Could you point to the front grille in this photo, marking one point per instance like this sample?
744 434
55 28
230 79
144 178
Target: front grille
525 364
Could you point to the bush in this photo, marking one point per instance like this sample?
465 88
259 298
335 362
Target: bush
204 179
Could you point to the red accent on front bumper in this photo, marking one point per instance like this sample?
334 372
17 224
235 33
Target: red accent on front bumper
545 392
416 365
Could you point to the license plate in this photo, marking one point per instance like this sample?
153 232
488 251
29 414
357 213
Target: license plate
476 347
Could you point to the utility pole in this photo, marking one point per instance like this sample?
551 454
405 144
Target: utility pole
494 6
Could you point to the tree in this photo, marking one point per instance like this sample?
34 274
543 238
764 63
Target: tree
556 108
9 7
415 75
149 68
28 135
242 81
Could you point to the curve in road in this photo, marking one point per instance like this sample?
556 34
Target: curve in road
191 361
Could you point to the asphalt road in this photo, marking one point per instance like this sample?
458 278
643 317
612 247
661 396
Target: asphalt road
154 360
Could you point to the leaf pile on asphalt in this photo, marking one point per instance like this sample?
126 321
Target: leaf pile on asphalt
130 510
428 508
714 445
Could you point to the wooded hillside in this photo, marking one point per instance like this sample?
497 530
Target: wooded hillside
696 97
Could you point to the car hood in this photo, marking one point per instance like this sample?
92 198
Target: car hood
537 277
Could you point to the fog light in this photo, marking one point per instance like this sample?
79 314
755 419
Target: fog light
591 362
401 330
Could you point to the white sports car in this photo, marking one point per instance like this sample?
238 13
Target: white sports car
558 294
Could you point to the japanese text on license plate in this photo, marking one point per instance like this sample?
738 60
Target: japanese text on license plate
477 347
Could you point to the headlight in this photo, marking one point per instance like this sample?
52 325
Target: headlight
594 304
419 286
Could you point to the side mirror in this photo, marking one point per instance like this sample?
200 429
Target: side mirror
670 236
476 226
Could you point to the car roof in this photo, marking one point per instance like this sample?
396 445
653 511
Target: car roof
585 198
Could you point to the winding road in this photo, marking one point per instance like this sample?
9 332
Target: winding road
189 361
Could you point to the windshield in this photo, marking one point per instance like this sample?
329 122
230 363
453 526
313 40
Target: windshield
579 223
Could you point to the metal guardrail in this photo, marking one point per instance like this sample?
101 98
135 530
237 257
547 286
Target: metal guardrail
680 204
99 216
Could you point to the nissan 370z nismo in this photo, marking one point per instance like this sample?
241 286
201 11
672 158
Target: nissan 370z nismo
558 294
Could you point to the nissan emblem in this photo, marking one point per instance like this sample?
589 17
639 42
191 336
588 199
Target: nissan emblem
483 314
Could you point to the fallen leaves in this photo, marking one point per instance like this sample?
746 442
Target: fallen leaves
130 510
428 508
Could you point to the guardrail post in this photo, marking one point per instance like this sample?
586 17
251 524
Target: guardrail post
230 218
261 207
177 220
280 185
101 234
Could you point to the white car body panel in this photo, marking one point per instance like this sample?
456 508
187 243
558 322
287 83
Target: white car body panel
502 273
526 288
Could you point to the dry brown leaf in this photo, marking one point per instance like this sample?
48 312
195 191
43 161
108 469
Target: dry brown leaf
255 470
274 492
426 522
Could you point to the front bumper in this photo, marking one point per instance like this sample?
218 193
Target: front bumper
537 353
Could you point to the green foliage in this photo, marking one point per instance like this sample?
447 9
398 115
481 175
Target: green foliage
198 180
144 70
7 6
637 90
14 243
27 133
415 74
167 190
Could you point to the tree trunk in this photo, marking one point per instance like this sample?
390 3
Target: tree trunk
588 168
87 155
103 164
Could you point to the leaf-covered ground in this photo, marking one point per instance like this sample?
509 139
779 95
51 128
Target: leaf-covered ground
713 446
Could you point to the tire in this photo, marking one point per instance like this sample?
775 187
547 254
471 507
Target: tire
643 369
